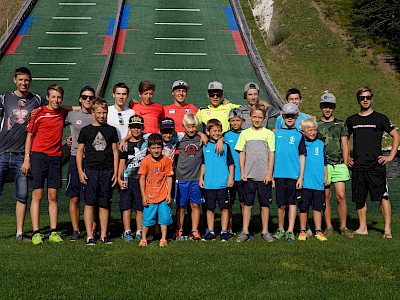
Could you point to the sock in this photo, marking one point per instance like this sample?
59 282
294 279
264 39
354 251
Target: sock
303 229
317 229
127 231
53 230
19 233
224 231
138 232
36 231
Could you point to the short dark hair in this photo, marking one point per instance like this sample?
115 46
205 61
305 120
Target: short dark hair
120 85
364 89
55 87
146 86
258 107
213 122
22 71
293 91
155 139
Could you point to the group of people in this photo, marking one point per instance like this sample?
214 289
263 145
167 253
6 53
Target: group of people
242 151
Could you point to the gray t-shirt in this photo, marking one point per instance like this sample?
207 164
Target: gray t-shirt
189 159
77 119
16 113
269 123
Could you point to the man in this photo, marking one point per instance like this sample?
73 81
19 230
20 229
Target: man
368 163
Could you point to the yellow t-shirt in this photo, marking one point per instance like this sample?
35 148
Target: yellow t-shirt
221 113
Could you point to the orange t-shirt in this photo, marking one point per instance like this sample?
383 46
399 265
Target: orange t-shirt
152 114
177 112
156 172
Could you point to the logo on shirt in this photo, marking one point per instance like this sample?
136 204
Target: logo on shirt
208 151
187 110
291 140
208 113
78 122
99 143
172 111
316 153
191 150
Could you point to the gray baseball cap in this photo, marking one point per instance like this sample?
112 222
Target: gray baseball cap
235 113
290 109
180 83
215 85
251 85
328 98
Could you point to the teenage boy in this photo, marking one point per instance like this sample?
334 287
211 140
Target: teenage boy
256 146
15 112
315 178
43 151
333 133
368 162
216 175
155 187
97 163
128 178
290 152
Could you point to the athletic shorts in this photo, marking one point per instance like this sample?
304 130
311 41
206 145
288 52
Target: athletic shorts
44 167
188 191
212 197
73 188
372 182
313 198
263 191
131 197
338 173
158 211
286 192
237 189
98 190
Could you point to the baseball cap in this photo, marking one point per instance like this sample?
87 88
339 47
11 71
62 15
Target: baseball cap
235 113
251 85
290 109
167 123
136 119
180 83
328 98
215 85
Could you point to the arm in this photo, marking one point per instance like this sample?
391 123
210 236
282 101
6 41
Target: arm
142 183
169 185
203 138
122 184
326 181
345 150
242 160
383 160
123 141
219 145
231 174
299 184
262 102
114 179
27 159
201 179
79 163
269 177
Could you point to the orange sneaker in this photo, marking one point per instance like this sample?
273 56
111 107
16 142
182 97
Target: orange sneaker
195 235
163 243
143 243
302 236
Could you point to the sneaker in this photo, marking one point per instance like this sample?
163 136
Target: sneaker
23 237
55 237
347 233
328 231
243 237
210 236
106 240
178 235
143 243
290 237
163 243
320 236
302 236
267 237
138 236
37 239
128 237
74 236
309 232
90 242
231 234
224 236
279 233
195 235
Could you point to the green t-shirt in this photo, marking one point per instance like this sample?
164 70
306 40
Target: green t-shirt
331 134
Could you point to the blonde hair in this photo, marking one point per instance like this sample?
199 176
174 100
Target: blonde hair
190 119
307 123
99 102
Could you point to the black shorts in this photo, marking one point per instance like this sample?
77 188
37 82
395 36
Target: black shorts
372 182
73 188
98 191
263 191
44 167
131 197
286 192
313 198
238 190
212 197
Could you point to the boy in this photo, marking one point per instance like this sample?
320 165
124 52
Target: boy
43 147
216 175
333 133
256 146
155 186
128 178
97 169
290 152
315 176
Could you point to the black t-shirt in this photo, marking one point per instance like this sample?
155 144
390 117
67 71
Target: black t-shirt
367 134
134 153
98 140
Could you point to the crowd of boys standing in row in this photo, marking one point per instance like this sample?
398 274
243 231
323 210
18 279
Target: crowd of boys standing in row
239 157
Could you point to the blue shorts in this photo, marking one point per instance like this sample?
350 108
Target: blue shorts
286 192
13 162
188 191
212 197
131 197
98 191
158 211
44 167
313 198
73 188
237 189
263 191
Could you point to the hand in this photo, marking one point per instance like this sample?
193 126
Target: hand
132 103
82 178
201 183
230 182
122 184
262 102
273 183
203 139
383 160
144 201
168 199
243 177
219 146
267 179
121 147
299 184
326 181
25 167
114 180
351 162
225 102
68 140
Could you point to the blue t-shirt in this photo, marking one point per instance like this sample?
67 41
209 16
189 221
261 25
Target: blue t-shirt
231 138
315 162
280 122
289 145
216 166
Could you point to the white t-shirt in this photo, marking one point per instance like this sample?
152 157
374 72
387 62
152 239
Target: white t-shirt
120 122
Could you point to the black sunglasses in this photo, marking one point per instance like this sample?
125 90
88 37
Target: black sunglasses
85 97
369 97
213 94
289 116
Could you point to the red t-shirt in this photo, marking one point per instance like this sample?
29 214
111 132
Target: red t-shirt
151 114
47 125
177 112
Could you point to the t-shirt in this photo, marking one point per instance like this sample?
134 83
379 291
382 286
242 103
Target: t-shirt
367 134
169 148
314 169
16 113
269 122
280 122
134 153
151 114
189 159
257 144
221 113
47 126
98 152
176 112
156 188
289 145
77 119
331 134
231 138
113 119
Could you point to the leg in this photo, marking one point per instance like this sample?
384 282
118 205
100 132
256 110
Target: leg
303 218
163 232
292 216
37 195
126 219
210 219
386 209
104 214
88 217
317 216
230 209
195 215
180 217
145 229
20 213
74 213
139 219
362 218
224 219
53 207
264 219
281 217
340 190
328 208
246 214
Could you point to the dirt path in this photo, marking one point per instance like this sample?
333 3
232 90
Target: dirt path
8 10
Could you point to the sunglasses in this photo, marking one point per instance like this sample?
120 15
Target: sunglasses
364 97
213 94
120 119
85 97
330 106
289 116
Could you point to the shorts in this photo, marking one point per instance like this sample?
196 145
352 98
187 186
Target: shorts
237 189
73 188
313 198
158 211
212 197
13 162
131 197
98 191
44 167
338 173
263 191
372 182
188 191
286 192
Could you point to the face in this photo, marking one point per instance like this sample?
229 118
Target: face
55 99
190 129
100 115
215 97
179 95
236 123
363 101
120 96
294 98
23 82
86 99
167 134
257 118
155 150
252 96
327 109
310 133
146 97
136 130
215 133
289 120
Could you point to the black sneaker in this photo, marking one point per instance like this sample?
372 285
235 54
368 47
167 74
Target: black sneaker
23 237
107 240
210 236
224 236
74 236
90 242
